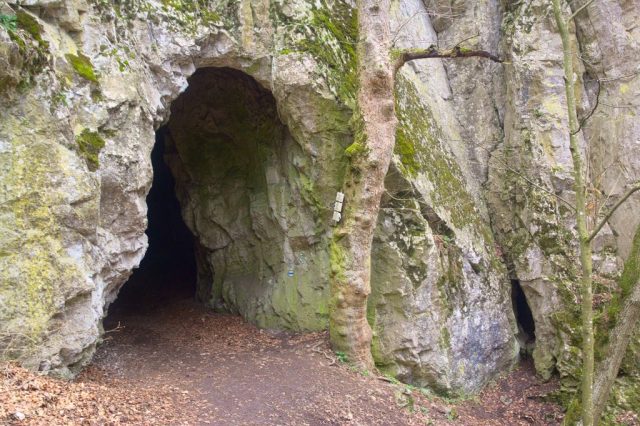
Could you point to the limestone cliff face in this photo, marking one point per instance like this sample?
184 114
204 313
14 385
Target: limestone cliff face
258 97
529 189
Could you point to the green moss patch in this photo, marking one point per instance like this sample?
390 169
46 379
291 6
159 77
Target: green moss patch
338 259
28 23
90 144
330 35
193 12
421 149
406 150
342 27
26 32
82 66
355 149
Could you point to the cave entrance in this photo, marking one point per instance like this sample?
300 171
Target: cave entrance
168 270
524 317
227 178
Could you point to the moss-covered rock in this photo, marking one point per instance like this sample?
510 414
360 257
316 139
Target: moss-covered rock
89 145
253 214
437 292
530 193
82 66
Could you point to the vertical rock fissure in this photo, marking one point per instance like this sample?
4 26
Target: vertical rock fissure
524 318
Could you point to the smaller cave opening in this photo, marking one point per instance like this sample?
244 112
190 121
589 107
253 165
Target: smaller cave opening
168 271
524 317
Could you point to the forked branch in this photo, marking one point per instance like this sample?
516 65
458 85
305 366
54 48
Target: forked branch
580 9
613 209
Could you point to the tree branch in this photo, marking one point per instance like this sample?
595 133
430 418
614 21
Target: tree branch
580 9
588 116
604 220
540 187
402 56
626 322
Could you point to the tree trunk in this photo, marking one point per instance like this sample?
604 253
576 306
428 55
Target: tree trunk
364 185
581 222
626 324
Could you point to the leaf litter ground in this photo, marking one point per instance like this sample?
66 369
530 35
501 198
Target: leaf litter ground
181 364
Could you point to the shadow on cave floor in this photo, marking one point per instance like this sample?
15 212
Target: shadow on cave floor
167 272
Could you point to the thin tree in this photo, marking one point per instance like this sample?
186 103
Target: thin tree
622 332
375 125
585 239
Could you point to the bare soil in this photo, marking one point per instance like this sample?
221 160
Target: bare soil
181 364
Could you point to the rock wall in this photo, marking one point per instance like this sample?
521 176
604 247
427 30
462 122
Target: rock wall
258 97
247 190
86 87
530 181
440 304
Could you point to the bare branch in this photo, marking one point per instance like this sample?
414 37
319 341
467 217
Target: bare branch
405 55
466 39
620 77
606 217
404 24
593 110
506 166
429 12
598 103
580 9
540 187
629 106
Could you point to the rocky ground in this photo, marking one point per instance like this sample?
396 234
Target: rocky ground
184 365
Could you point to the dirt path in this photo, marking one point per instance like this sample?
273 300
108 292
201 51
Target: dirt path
182 364
238 374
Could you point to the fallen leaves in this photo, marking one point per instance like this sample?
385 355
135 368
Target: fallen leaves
29 398
184 365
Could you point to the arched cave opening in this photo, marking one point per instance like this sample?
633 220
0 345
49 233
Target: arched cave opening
168 270
227 176
524 317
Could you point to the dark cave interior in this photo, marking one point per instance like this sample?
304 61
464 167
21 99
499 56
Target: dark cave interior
168 270
523 314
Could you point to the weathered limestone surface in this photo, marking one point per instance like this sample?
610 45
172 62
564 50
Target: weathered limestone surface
248 193
440 303
79 113
258 97
529 187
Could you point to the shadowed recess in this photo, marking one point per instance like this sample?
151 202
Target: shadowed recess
524 317
168 270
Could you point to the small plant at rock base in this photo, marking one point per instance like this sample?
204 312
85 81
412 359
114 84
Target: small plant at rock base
452 414
389 378
342 357
404 399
